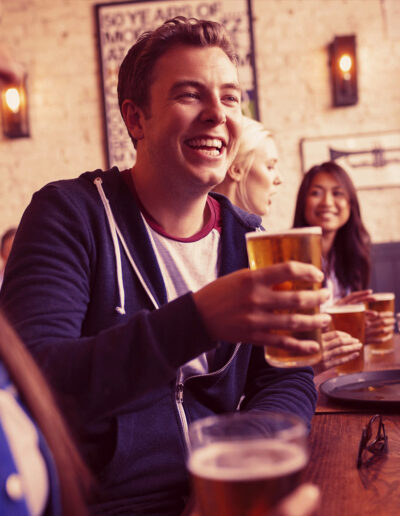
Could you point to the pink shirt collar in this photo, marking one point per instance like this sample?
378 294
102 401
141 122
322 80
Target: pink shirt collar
213 221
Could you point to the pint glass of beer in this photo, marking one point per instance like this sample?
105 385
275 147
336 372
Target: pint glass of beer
382 302
351 319
242 464
299 244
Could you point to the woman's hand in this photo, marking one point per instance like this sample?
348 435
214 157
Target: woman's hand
359 296
378 326
338 348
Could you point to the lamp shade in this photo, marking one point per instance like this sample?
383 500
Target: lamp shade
14 109
343 64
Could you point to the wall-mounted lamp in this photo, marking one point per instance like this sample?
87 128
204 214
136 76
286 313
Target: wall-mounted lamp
343 63
14 109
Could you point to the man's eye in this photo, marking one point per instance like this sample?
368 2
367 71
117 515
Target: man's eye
232 98
189 95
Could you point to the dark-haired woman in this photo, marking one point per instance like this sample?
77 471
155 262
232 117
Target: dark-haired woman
327 198
41 472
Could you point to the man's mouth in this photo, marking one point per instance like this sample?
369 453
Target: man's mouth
212 146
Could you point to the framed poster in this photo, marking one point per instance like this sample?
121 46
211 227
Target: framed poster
372 160
119 25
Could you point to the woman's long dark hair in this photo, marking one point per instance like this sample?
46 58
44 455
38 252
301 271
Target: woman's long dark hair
74 478
351 247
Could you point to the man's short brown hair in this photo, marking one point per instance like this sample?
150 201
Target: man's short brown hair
135 73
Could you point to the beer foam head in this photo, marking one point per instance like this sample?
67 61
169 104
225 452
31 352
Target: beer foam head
309 230
345 309
383 296
247 460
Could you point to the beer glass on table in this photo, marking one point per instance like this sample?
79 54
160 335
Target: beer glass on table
302 245
242 464
382 302
350 319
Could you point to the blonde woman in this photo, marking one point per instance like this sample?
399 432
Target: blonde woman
254 176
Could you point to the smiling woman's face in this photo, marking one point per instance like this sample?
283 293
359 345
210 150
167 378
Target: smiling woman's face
327 203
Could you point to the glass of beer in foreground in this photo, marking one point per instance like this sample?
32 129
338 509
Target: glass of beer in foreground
302 245
242 464
382 302
351 319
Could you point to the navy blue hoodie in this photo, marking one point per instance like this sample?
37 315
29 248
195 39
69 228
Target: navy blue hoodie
83 290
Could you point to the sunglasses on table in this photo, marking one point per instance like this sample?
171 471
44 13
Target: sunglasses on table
373 442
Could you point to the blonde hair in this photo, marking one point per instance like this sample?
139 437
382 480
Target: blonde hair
253 134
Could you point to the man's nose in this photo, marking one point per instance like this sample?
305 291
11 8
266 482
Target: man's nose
213 112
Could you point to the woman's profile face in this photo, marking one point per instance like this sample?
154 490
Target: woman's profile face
327 203
263 178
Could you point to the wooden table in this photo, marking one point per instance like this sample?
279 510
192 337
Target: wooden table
334 441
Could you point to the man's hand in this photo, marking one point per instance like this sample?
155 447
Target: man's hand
239 307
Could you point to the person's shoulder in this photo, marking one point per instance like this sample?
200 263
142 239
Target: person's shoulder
250 220
85 184
110 176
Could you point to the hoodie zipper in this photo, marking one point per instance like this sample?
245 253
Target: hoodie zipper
179 388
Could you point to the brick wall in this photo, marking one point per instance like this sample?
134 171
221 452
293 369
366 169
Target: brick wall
56 41
294 89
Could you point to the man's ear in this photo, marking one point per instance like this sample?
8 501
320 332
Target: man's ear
235 173
133 117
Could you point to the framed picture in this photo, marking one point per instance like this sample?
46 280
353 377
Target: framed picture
119 25
372 160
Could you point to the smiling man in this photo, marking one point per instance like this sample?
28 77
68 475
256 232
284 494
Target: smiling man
187 135
132 288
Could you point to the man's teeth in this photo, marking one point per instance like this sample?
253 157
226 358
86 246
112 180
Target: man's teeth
212 143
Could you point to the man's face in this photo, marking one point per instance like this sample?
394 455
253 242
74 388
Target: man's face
190 136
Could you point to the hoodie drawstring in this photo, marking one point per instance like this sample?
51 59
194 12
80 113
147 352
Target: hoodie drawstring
111 222
115 234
